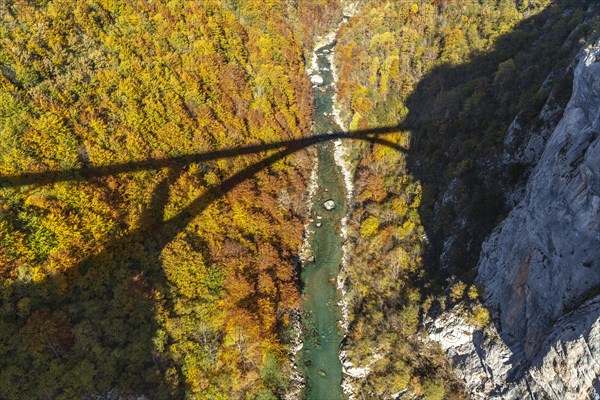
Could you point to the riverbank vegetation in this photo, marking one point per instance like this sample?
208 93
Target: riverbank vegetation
177 280
170 282
451 76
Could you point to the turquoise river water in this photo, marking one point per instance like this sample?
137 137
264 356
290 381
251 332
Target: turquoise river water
321 313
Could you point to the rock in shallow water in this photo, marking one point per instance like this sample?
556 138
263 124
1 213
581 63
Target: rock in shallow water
316 79
329 205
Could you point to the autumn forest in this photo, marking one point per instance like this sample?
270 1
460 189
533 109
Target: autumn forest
155 170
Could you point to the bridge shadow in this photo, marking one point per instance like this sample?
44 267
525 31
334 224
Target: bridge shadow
113 295
82 174
450 141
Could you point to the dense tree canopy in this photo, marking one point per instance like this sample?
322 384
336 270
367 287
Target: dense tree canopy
178 281
106 286
451 76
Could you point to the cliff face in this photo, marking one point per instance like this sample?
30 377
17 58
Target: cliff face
540 270
544 259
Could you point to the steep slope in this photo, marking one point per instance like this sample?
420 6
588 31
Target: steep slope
452 78
544 258
540 272
154 275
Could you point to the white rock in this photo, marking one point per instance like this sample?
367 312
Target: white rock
316 79
329 204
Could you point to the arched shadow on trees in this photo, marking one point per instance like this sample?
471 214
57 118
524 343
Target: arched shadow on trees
450 141
459 116
82 174
112 295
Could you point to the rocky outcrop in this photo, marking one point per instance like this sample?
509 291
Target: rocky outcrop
544 259
568 367
540 270
480 359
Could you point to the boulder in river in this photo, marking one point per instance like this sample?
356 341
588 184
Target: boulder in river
329 204
316 79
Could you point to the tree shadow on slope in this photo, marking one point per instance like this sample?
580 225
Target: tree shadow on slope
91 331
459 116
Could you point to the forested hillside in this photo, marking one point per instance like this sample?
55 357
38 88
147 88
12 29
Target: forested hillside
139 260
172 281
450 76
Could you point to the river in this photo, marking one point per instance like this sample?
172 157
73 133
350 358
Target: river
321 313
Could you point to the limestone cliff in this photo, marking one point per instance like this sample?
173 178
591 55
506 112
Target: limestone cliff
540 270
